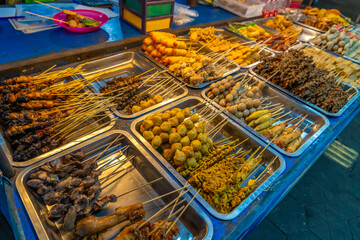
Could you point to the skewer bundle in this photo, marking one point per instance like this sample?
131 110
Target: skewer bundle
176 54
31 106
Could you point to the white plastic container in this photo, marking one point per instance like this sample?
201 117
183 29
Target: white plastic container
242 9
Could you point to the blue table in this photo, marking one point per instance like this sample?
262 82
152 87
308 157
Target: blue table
17 46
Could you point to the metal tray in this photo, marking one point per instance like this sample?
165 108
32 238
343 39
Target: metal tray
269 30
237 38
306 35
341 111
230 129
289 104
231 68
130 63
193 224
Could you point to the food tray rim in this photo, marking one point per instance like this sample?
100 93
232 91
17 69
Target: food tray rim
249 200
35 218
299 151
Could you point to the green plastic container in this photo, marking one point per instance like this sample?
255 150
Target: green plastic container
155 10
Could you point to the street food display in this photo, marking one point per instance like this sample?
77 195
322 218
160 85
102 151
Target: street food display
176 54
324 19
77 20
340 41
223 43
312 84
346 70
216 148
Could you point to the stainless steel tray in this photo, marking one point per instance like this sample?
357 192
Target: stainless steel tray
193 224
237 38
231 68
306 35
230 129
269 30
341 111
130 63
319 121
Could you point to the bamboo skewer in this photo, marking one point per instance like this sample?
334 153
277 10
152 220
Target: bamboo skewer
47 17
141 186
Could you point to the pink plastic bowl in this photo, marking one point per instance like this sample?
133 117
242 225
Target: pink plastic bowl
98 16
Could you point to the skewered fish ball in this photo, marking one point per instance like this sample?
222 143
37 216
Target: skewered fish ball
151 102
148 135
222 103
172 130
204 149
156 130
147 124
157 121
164 137
256 103
158 98
144 104
213 85
198 155
229 98
165 116
156 142
168 154
176 146
192 134
180 116
186 112
202 138
135 109
185 141
239 114
227 85
191 162
215 91
174 138
200 128
151 118
179 158
173 121
241 107
222 88
221 96
195 144
234 93
255 89
243 100
232 109
232 82
252 110
177 109
250 94
246 113
195 118
249 104
210 141
182 130
165 126
189 124
188 150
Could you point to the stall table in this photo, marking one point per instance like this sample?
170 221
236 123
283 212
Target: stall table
46 48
